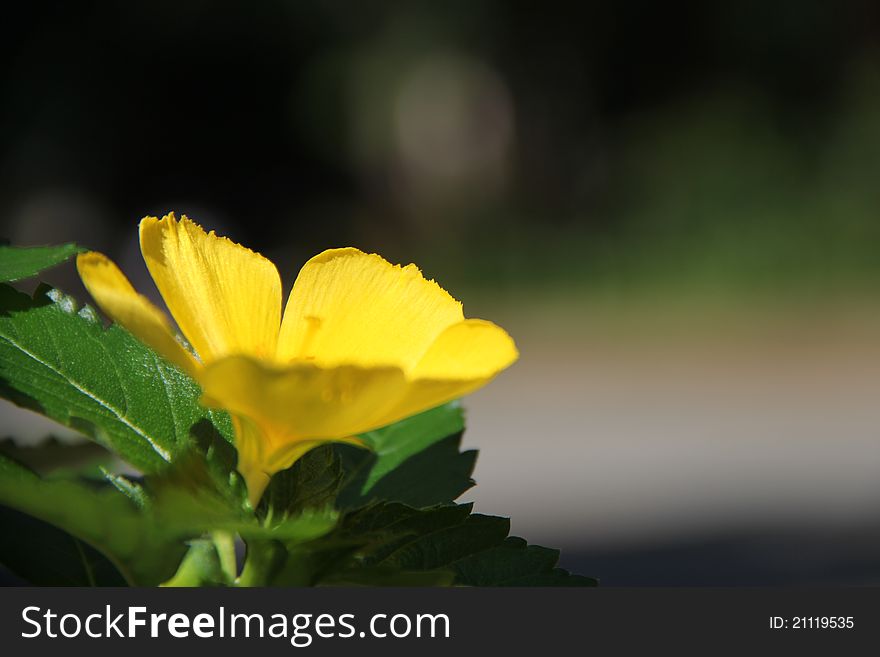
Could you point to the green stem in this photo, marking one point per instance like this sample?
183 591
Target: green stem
261 563
200 566
224 542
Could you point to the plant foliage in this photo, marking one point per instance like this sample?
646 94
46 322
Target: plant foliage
339 516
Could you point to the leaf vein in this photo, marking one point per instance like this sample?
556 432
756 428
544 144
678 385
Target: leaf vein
109 407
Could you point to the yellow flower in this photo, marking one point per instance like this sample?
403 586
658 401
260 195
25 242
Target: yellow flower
361 344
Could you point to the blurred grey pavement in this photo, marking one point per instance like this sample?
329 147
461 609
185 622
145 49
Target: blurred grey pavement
744 436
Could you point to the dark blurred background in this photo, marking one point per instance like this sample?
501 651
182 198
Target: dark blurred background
673 207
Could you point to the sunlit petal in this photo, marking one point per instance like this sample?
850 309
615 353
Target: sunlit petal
464 358
115 295
470 349
281 413
362 344
225 298
302 400
349 307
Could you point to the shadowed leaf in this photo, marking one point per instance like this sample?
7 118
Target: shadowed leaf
436 475
100 516
44 555
396 443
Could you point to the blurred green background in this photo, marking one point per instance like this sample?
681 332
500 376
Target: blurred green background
673 207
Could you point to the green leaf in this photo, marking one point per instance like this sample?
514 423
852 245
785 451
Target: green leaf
393 544
353 553
200 567
128 487
102 382
312 482
417 466
295 551
515 563
415 461
44 555
396 443
444 546
17 263
186 500
437 475
280 563
145 534
212 459
308 564
140 548
387 527
307 526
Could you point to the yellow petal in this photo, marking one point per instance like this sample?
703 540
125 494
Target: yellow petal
302 400
225 298
470 349
350 307
250 445
465 357
115 295
281 413
258 460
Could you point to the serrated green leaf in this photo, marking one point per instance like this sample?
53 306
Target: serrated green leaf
307 526
438 474
128 487
311 483
395 520
44 555
515 563
396 443
444 546
309 563
415 461
354 553
102 382
17 263
426 470
212 460
390 538
185 500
